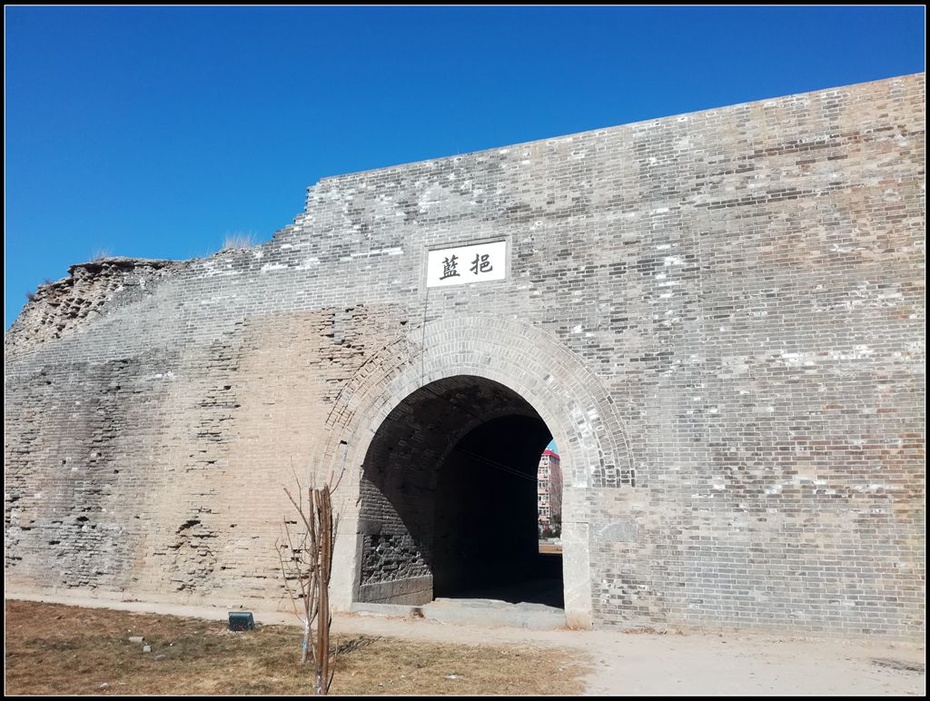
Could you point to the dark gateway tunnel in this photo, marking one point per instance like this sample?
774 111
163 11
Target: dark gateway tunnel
449 499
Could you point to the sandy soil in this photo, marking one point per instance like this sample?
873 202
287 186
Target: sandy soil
650 664
695 665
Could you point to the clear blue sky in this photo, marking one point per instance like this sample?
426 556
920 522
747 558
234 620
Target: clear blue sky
159 131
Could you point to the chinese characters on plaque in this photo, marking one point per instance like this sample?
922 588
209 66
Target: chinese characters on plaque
458 266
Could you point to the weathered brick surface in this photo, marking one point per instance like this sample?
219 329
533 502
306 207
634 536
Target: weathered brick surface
719 316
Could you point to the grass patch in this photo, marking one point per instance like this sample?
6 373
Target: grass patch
238 242
67 650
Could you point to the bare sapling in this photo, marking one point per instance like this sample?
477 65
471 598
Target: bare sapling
306 559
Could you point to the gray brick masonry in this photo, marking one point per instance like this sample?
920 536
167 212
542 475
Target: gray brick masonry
719 317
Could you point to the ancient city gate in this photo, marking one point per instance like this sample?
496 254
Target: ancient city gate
719 317
510 388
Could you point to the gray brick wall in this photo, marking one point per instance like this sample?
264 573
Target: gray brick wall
719 316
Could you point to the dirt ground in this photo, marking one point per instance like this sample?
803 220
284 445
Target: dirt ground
624 664
698 665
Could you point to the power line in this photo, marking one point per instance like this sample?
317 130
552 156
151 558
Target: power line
496 465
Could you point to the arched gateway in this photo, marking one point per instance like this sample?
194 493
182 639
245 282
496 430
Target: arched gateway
719 318
411 406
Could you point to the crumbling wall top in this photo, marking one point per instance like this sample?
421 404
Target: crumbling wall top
90 291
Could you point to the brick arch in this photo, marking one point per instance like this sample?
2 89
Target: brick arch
568 397
532 362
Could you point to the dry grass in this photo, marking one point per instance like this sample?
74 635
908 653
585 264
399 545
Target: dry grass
238 242
100 254
56 649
